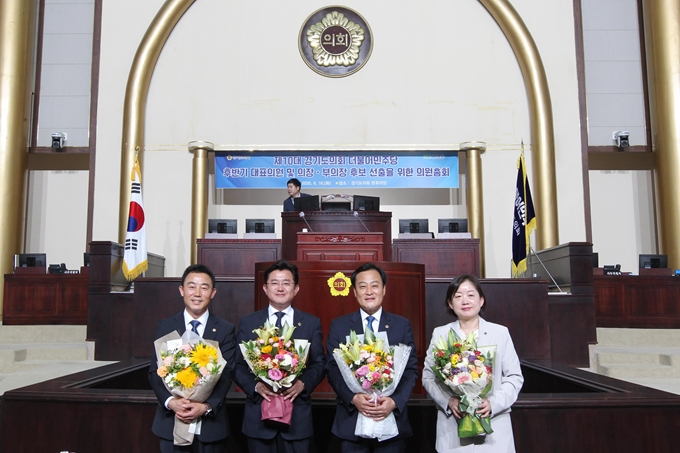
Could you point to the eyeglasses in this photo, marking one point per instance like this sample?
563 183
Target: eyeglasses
287 284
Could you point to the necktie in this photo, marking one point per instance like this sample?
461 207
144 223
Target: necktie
279 316
194 326
369 323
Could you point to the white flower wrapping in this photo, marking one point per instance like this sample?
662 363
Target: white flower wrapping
463 385
183 432
367 427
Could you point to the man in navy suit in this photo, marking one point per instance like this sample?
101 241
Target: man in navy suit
281 286
197 290
294 187
369 283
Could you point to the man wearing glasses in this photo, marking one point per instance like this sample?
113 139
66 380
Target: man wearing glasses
281 286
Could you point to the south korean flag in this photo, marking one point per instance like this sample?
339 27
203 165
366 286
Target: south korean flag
135 261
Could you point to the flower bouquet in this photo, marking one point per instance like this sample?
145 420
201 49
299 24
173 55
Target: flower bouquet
467 371
277 360
372 366
190 368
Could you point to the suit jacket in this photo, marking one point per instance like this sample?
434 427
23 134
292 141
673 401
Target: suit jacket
289 205
307 327
398 331
507 381
215 426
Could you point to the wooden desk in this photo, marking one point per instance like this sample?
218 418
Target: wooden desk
334 222
634 301
443 258
115 406
237 257
340 246
32 299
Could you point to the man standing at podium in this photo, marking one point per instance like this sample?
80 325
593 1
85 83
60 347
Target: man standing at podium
294 187
281 286
369 284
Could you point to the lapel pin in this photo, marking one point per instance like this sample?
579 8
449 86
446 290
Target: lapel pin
387 326
214 330
299 324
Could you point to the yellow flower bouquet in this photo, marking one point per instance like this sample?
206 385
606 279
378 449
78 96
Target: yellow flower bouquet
190 368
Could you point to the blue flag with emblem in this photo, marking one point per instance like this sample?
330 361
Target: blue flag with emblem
524 221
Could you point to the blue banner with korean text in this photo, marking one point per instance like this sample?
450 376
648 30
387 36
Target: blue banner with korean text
336 170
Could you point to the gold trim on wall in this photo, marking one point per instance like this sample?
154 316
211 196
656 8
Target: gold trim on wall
199 194
475 196
540 114
663 63
136 93
17 66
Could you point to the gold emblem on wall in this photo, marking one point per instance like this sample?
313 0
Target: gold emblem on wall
339 284
335 41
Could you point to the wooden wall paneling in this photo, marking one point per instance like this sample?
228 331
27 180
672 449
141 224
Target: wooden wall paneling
661 301
572 328
45 299
340 247
509 302
110 319
632 301
237 257
443 258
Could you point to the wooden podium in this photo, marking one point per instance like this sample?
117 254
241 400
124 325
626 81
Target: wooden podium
293 223
340 247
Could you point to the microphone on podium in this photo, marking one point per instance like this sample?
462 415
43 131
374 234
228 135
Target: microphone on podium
302 214
356 214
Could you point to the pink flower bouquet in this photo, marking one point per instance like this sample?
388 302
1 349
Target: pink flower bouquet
372 366
466 370
277 360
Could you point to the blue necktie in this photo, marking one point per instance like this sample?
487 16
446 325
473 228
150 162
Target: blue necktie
369 323
279 316
194 326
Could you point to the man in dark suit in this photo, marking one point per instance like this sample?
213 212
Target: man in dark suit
294 187
369 283
197 290
281 286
